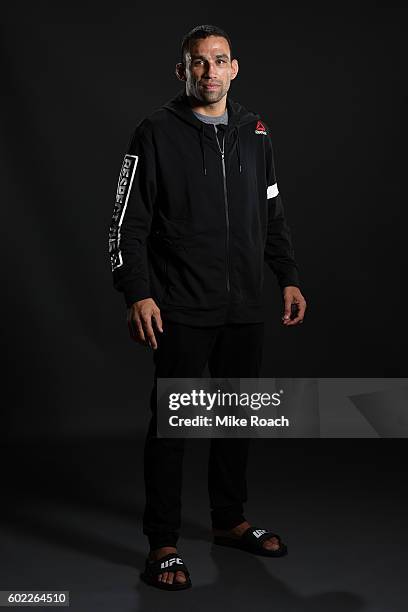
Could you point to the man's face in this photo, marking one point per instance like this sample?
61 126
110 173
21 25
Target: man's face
209 70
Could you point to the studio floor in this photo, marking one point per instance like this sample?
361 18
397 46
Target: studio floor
71 520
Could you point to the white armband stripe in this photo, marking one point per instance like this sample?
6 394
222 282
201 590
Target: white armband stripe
272 191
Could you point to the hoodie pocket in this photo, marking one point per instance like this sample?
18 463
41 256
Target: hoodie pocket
165 282
159 277
169 277
192 271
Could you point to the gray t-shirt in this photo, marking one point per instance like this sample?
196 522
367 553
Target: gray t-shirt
211 119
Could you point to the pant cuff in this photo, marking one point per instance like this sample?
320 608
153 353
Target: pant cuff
158 540
227 517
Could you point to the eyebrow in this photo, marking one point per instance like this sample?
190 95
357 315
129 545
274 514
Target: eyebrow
224 55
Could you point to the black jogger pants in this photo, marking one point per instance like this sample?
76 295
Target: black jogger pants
235 351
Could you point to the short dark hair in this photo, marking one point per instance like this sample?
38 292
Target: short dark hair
202 31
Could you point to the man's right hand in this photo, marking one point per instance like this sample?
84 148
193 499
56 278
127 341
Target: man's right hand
140 317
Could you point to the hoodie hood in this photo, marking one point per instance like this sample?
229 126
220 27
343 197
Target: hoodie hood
238 116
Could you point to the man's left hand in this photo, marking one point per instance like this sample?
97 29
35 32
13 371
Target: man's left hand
292 295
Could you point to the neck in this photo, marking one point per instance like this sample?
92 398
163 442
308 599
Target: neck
213 109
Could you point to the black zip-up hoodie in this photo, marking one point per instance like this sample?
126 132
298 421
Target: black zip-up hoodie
192 228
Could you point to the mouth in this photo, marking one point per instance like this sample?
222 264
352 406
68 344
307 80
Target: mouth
210 87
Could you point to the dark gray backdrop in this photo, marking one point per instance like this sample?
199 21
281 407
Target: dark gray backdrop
329 81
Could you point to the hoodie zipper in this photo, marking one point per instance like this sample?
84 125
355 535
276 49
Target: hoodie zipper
225 202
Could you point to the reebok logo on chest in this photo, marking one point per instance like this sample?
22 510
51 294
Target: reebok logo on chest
260 128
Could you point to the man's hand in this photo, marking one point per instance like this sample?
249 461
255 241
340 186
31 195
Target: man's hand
140 318
292 295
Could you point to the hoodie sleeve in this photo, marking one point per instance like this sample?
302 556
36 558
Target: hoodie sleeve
132 217
279 252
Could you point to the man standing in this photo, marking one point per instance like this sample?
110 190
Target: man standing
197 213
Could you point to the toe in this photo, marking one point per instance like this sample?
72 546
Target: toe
164 576
180 577
272 544
170 578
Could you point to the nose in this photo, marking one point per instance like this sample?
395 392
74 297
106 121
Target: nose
210 71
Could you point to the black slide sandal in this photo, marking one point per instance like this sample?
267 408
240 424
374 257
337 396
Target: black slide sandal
251 541
169 563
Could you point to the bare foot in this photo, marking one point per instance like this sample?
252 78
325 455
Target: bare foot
168 577
236 532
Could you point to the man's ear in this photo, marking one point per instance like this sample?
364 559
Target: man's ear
234 68
180 72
